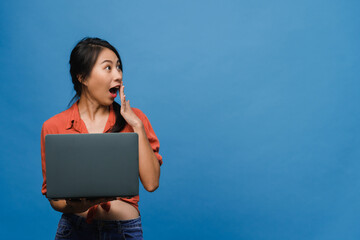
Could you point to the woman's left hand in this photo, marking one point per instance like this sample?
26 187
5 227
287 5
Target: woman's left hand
130 117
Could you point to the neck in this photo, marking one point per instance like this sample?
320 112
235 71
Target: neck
90 109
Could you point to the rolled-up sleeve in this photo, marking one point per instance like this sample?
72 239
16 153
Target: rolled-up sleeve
45 130
43 162
153 140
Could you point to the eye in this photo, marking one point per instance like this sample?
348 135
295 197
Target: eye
108 67
118 67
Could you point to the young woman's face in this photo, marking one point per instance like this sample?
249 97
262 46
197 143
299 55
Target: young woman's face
105 78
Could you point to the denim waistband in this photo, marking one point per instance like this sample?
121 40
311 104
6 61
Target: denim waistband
80 222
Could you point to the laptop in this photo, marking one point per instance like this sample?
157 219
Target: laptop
92 165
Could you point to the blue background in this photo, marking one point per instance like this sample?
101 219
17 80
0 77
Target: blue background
255 103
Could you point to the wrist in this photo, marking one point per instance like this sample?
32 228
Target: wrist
138 127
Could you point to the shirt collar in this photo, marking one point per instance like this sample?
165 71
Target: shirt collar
74 121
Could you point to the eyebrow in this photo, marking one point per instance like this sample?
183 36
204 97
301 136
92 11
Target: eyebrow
109 61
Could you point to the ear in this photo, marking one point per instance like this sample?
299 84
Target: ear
81 79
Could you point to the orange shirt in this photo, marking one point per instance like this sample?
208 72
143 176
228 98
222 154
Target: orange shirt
69 122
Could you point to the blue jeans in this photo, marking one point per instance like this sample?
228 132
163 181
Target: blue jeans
74 227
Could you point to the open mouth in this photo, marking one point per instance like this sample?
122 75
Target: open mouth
113 91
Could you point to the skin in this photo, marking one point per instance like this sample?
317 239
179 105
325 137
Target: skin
94 111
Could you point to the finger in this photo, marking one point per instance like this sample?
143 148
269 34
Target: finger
106 199
110 199
69 202
122 94
101 200
98 200
73 199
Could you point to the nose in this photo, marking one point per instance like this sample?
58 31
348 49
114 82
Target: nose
118 76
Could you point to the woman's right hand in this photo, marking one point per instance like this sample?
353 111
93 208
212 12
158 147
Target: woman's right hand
76 206
83 204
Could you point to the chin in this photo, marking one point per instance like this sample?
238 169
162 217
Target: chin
111 102
106 102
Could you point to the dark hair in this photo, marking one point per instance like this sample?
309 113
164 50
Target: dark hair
82 60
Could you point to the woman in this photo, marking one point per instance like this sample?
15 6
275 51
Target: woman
96 71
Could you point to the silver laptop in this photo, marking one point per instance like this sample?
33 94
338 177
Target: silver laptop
92 165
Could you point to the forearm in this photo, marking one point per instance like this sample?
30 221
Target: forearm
149 167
